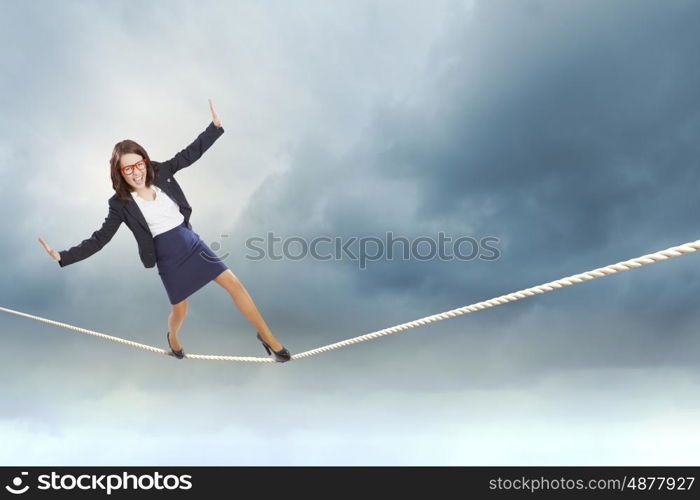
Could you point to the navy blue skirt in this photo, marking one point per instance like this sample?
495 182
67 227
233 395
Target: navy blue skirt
185 263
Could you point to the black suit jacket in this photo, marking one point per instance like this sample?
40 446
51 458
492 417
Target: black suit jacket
128 211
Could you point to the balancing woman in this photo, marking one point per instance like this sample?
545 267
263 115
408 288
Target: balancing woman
151 203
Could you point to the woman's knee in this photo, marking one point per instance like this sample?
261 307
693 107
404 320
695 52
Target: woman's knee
229 281
180 309
233 279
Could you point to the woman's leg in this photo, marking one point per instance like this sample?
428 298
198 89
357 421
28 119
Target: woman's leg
239 294
177 316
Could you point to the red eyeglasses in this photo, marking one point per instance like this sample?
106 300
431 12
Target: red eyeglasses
128 169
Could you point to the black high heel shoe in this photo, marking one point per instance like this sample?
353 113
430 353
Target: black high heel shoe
178 354
280 356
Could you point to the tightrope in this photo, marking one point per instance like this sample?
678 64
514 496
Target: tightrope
503 299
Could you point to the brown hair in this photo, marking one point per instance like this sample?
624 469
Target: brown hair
120 186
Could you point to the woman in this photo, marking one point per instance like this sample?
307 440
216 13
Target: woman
151 203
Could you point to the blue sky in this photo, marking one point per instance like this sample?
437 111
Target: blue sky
567 130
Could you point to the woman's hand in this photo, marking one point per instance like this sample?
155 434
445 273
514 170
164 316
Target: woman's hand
214 115
53 253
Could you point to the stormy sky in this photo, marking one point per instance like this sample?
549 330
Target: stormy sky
564 131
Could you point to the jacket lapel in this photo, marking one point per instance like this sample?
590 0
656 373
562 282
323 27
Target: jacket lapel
133 208
163 182
164 186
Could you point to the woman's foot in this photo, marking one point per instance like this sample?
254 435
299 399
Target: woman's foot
174 342
281 355
178 353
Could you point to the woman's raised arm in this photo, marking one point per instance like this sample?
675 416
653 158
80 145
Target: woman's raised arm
194 151
90 245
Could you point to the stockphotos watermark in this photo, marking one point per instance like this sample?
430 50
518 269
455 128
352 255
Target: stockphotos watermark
102 482
365 249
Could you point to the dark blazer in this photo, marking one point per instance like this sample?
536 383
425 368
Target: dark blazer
128 211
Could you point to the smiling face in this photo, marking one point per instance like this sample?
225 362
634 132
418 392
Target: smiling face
136 165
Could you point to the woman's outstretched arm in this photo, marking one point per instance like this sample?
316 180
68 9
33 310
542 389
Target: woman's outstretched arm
90 245
194 151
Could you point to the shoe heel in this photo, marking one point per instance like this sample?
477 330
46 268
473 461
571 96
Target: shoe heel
280 356
267 348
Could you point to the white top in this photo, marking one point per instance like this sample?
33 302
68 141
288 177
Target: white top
161 214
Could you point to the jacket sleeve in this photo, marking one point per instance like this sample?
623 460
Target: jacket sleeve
95 243
194 151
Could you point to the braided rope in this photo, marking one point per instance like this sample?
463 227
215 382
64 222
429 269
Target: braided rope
512 297
503 299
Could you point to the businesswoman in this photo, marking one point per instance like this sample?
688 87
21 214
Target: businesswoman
151 203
